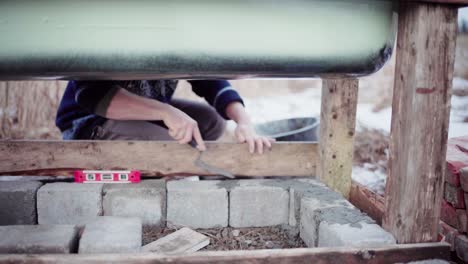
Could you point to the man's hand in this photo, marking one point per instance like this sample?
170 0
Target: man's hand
182 127
246 133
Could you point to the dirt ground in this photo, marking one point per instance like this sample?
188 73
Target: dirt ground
228 238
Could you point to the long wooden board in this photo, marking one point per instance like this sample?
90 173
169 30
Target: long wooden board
153 158
448 2
420 118
382 255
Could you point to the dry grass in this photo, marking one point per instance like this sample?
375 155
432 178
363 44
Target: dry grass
371 146
228 238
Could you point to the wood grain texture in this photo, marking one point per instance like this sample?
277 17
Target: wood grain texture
367 201
447 2
153 158
379 255
337 125
28 109
421 108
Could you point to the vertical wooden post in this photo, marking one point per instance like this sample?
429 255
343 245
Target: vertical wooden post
421 108
337 124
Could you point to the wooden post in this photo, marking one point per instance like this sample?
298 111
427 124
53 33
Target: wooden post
337 124
421 108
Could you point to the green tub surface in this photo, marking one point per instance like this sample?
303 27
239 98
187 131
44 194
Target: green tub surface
193 38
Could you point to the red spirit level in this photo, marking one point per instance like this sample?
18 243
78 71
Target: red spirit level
99 176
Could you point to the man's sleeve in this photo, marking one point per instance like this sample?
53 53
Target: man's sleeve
218 93
95 96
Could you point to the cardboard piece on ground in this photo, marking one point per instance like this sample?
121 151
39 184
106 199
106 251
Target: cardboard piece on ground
181 241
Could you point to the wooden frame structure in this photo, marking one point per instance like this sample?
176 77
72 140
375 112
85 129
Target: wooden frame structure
421 106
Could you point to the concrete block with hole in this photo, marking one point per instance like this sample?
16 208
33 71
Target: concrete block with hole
202 204
69 203
258 205
18 202
110 234
316 192
36 239
145 200
360 234
327 223
322 204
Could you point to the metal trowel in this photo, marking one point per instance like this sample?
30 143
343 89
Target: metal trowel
209 168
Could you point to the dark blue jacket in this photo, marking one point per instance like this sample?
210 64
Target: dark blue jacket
81 108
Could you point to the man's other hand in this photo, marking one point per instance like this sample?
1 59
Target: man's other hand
246 133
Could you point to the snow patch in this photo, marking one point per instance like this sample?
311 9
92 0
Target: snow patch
371 177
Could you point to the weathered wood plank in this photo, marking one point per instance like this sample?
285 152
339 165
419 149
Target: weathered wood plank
29 109
367 201
337 124
153 158
448 2
3 107
389 254
182 241
421 108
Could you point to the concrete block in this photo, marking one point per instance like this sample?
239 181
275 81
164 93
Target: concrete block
312 202
18 202
329 207
145 200
454 195
345 226
315 192
36 239
69 203
461 247
202 204
308 225
361 234
430 261
257 206
110 234
293 220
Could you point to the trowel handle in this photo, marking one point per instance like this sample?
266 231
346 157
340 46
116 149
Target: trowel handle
193 143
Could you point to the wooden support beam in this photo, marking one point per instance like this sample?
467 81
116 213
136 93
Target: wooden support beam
421 108
337 124
153 158
388 254
445 2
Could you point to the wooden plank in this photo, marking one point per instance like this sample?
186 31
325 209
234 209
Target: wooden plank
182 241
421 108
3 108
389 254
448 2
29 109
153 158
337 124
367 201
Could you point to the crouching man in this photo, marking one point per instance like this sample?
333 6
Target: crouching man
145 110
